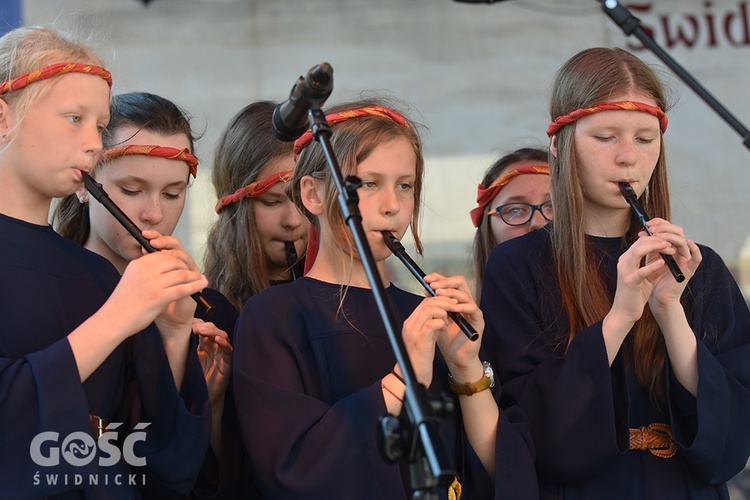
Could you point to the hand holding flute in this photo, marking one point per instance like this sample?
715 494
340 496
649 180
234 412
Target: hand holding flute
395 246
95 189
629 193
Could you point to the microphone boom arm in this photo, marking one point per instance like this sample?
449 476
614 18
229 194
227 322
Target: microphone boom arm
631 25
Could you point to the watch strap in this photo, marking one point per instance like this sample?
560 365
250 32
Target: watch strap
470 388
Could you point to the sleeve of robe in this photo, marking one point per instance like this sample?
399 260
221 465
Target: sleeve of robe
221 476
711 428
577 405
42 392
180 421
49 286
298 445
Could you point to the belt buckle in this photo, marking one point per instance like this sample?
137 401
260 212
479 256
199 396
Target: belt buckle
98 425
656 438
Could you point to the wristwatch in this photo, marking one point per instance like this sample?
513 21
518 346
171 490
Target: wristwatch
470 388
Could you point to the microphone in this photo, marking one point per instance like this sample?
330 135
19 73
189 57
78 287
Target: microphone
629 194
291 117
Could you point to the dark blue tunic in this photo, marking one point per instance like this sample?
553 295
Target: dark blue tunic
307 373
221 476
48 286
580 410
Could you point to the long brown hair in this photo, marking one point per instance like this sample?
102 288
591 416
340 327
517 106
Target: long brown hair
235 259
484 240
590 77
352 141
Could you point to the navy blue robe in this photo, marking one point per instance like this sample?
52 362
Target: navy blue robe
49 285
221 476
580 409
307 374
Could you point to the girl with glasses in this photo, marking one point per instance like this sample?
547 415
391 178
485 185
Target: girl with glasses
511 201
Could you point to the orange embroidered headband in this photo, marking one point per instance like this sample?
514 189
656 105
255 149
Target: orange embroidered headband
253 190
54 70
486 194
157 151
561 121
341 116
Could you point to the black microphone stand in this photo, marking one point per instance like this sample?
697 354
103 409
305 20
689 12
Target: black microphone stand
414 435
631 25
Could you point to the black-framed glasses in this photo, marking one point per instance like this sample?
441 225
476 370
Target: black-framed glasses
518 214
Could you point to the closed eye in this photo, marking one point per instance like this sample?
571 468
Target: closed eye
270 203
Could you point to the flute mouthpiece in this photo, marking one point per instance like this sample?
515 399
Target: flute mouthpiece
391 241
627 190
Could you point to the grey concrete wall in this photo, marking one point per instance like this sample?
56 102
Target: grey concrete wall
477 75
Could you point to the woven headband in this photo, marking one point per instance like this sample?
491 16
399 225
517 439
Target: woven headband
313 240
157 151
341 116
486 194
54 70
561 121
253 190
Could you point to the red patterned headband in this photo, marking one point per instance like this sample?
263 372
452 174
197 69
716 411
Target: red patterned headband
54 70
561 121
158 151
253 190
486 194
341 116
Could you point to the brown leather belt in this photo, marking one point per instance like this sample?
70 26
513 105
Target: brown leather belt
98 425
656 438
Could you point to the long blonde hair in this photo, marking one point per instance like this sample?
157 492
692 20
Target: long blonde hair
30 48
590 77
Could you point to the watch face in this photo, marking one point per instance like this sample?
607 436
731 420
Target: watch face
489 372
